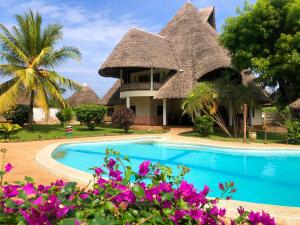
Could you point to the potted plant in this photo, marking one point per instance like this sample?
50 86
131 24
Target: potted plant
252 133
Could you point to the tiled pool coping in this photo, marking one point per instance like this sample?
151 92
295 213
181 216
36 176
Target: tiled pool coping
283 215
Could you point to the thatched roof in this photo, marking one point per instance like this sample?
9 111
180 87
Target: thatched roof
85 95
196 48
188 45
295 105
208 15
139 48
112 97
262 96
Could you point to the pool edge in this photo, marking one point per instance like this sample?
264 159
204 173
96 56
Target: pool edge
283 214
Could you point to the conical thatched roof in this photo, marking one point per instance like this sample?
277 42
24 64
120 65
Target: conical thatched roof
112 97
295 105
139 48
85 95
195 45
188 45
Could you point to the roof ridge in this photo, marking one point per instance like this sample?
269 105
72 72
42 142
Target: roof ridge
152 33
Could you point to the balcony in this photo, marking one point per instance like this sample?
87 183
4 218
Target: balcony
140 86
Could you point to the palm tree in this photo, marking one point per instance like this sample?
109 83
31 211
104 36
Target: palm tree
29 56
204 98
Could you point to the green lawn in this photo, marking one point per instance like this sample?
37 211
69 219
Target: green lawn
47 132
219 136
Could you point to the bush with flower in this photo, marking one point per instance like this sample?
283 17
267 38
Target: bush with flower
7 129
153 195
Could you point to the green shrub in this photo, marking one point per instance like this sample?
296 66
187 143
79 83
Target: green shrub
294 132
18 115
204 125
124 118
7 129
65 115
90 115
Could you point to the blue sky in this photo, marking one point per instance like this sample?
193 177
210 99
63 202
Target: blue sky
96 26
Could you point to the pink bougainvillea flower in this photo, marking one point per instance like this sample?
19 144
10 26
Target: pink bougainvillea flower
115 174
98 171
84 195
29 189
111 163
205 190
38 200
144 168
222 212
214 210
221 186
241 210
157 172
10 191
196 214
8 167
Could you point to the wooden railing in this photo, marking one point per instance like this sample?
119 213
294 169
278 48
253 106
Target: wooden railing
140 86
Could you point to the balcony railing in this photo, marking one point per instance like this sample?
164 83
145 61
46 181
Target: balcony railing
140 86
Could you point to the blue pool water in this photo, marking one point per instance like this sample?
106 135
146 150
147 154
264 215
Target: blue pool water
261 177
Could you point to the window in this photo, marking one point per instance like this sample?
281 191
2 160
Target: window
110 111
159 110
133 108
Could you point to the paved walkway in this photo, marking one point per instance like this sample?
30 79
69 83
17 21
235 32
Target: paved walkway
22 156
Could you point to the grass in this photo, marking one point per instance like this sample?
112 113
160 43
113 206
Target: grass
219 136
48 132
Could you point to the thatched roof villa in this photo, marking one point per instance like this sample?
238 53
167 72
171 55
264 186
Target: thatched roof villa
85 95
155 72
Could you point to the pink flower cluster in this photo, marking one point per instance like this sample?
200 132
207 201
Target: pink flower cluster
120 199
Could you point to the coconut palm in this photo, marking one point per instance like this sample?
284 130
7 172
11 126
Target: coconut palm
29 56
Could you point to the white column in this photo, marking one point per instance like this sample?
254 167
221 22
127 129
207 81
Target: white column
164 112
230 114
151 79
128 102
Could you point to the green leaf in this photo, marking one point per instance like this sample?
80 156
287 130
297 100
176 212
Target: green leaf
128 217
167 196
111 207
69 187
69 221
138 190
29 179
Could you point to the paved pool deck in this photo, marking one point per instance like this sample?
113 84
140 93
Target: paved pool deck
23 157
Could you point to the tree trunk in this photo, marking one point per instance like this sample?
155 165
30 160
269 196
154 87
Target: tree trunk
30 120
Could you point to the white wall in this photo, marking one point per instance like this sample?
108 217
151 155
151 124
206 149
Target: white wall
40 116
142 105
257 119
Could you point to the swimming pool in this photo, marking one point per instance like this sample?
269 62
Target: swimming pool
270 177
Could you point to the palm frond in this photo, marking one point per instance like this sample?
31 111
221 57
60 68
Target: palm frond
9 98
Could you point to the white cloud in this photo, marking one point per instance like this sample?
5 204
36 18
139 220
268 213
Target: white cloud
95 34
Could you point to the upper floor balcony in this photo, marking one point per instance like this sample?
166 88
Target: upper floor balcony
141 86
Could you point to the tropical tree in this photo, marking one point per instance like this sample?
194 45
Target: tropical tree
207 97
265 38
234 96
29 56
204 98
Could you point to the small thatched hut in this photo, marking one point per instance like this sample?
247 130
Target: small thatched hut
85 95
156 71
295 105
